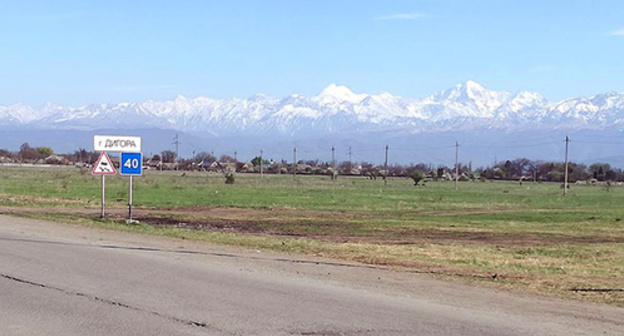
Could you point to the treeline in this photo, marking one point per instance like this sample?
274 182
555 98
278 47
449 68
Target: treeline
518 169
42 155
552 171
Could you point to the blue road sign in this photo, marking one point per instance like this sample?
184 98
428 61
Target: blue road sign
131 163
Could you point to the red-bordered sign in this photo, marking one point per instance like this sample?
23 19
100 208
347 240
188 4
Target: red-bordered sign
104 166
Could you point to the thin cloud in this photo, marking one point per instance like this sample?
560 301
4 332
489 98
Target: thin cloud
619 32
401 16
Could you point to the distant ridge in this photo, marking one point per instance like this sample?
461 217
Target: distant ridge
336 109
489 125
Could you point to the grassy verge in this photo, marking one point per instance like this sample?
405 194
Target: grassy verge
522 237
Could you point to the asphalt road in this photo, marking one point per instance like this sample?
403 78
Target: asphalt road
63 280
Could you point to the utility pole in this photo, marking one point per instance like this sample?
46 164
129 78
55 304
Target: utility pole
261 164
350 162
386 167
565 175
333 163
294 164
456 163
176 142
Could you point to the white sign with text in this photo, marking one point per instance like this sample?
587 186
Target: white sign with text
117 143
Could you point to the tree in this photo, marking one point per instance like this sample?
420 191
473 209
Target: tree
256 161
28 153
226 158
520 167
83 155
5 153
204 156
45 151
417 176
544 170
611 175
312 163
168 156
397 170
577 172
599 170
345 167
439 172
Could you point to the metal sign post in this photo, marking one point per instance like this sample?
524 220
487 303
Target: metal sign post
131 164
130 200
102 214
104 166
131 161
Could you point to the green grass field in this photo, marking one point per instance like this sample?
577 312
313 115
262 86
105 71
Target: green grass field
524 237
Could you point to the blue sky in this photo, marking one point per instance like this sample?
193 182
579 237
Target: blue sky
79 52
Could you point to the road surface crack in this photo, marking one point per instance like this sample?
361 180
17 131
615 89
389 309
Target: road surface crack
109 302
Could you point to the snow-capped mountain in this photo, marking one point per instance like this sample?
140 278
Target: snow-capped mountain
467 112
464 100
336 109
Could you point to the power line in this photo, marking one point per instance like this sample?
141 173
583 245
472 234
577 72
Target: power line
600 142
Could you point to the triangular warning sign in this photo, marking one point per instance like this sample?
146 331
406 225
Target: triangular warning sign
104 166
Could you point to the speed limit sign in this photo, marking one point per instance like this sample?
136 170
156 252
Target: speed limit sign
131 163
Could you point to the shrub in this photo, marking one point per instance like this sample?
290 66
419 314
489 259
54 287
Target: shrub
229 177
417 176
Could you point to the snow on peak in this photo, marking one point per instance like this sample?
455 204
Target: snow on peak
527 99
471 96
523 104
472 86
258 97
339 93
333 89
476 92
335 108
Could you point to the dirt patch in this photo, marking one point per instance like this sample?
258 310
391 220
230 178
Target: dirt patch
198 211
203 225
334 227
385 237
466 237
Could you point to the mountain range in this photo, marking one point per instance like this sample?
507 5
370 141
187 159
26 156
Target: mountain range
465 111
